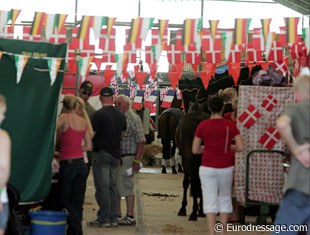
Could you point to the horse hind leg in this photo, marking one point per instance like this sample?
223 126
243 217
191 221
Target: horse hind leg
200 211
182 211
194 214
172 158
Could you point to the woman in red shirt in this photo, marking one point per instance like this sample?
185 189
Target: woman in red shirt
216 170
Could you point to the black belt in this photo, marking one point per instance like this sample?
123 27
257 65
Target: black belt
72 161
127 154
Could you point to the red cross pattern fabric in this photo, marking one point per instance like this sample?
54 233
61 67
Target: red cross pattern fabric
270 138
266 176
59 37
254 54
174 53
249 116
269 103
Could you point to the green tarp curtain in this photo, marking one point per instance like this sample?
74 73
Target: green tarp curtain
31 114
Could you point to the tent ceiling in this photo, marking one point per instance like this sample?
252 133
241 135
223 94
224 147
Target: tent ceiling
301 6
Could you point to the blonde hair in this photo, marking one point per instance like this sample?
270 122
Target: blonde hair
302 85
69 102
2 101
125 98
228 94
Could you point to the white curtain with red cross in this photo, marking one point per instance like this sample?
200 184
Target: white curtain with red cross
258 109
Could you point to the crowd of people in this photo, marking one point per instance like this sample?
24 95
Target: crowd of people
112 140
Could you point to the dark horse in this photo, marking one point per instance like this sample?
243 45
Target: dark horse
191 163
167 125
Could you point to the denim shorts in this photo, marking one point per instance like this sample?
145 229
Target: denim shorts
4 216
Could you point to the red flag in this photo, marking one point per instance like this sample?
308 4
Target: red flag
298 49
234 71
249 116
254 55
205 78
174 79
107 42
153 70
281 66
108 75
276 52
270 138
140 76
174 53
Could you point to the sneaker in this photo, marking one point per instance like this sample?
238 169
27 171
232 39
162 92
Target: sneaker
127 221
114 224
96 223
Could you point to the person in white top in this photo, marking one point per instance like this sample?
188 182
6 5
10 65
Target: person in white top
5 161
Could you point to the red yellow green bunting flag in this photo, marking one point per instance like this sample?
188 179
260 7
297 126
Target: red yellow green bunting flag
162 26
265 28
241 31
14 14
87 22
139 29
191 27
213 28
38 21
291 29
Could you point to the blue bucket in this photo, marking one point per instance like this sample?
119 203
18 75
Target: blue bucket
48 222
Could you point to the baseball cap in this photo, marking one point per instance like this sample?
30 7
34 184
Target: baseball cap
87 86
106 91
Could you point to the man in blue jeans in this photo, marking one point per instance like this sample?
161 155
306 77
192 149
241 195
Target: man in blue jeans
294 128
108 124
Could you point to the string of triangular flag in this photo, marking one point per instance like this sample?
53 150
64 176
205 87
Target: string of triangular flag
22 60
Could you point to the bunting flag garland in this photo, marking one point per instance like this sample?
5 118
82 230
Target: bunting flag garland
227 39
150 101
157 40
140 76
174 79
167 101
213 28
270 137
241 31
265 28
205 78
163 26
110 22
306 37
191 27
121 60
249 116
20 63
269 103
282 36
14 15
98 22
84 66
50 25
234 70
5 16
174 53
270 41
87 22
53 65
38 21
108 75
291 28
137 101
139 29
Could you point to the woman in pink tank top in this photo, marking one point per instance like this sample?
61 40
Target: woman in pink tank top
74 139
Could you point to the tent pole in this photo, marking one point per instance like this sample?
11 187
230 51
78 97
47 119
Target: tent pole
75 12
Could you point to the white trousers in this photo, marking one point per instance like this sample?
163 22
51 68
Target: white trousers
216 184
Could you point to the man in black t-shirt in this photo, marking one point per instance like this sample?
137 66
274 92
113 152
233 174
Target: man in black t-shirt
108 124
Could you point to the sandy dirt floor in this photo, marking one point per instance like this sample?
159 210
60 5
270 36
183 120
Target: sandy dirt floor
158 200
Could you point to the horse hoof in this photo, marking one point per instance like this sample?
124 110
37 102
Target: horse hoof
164 171
193 217
201 214
180 170
174 171
182 212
